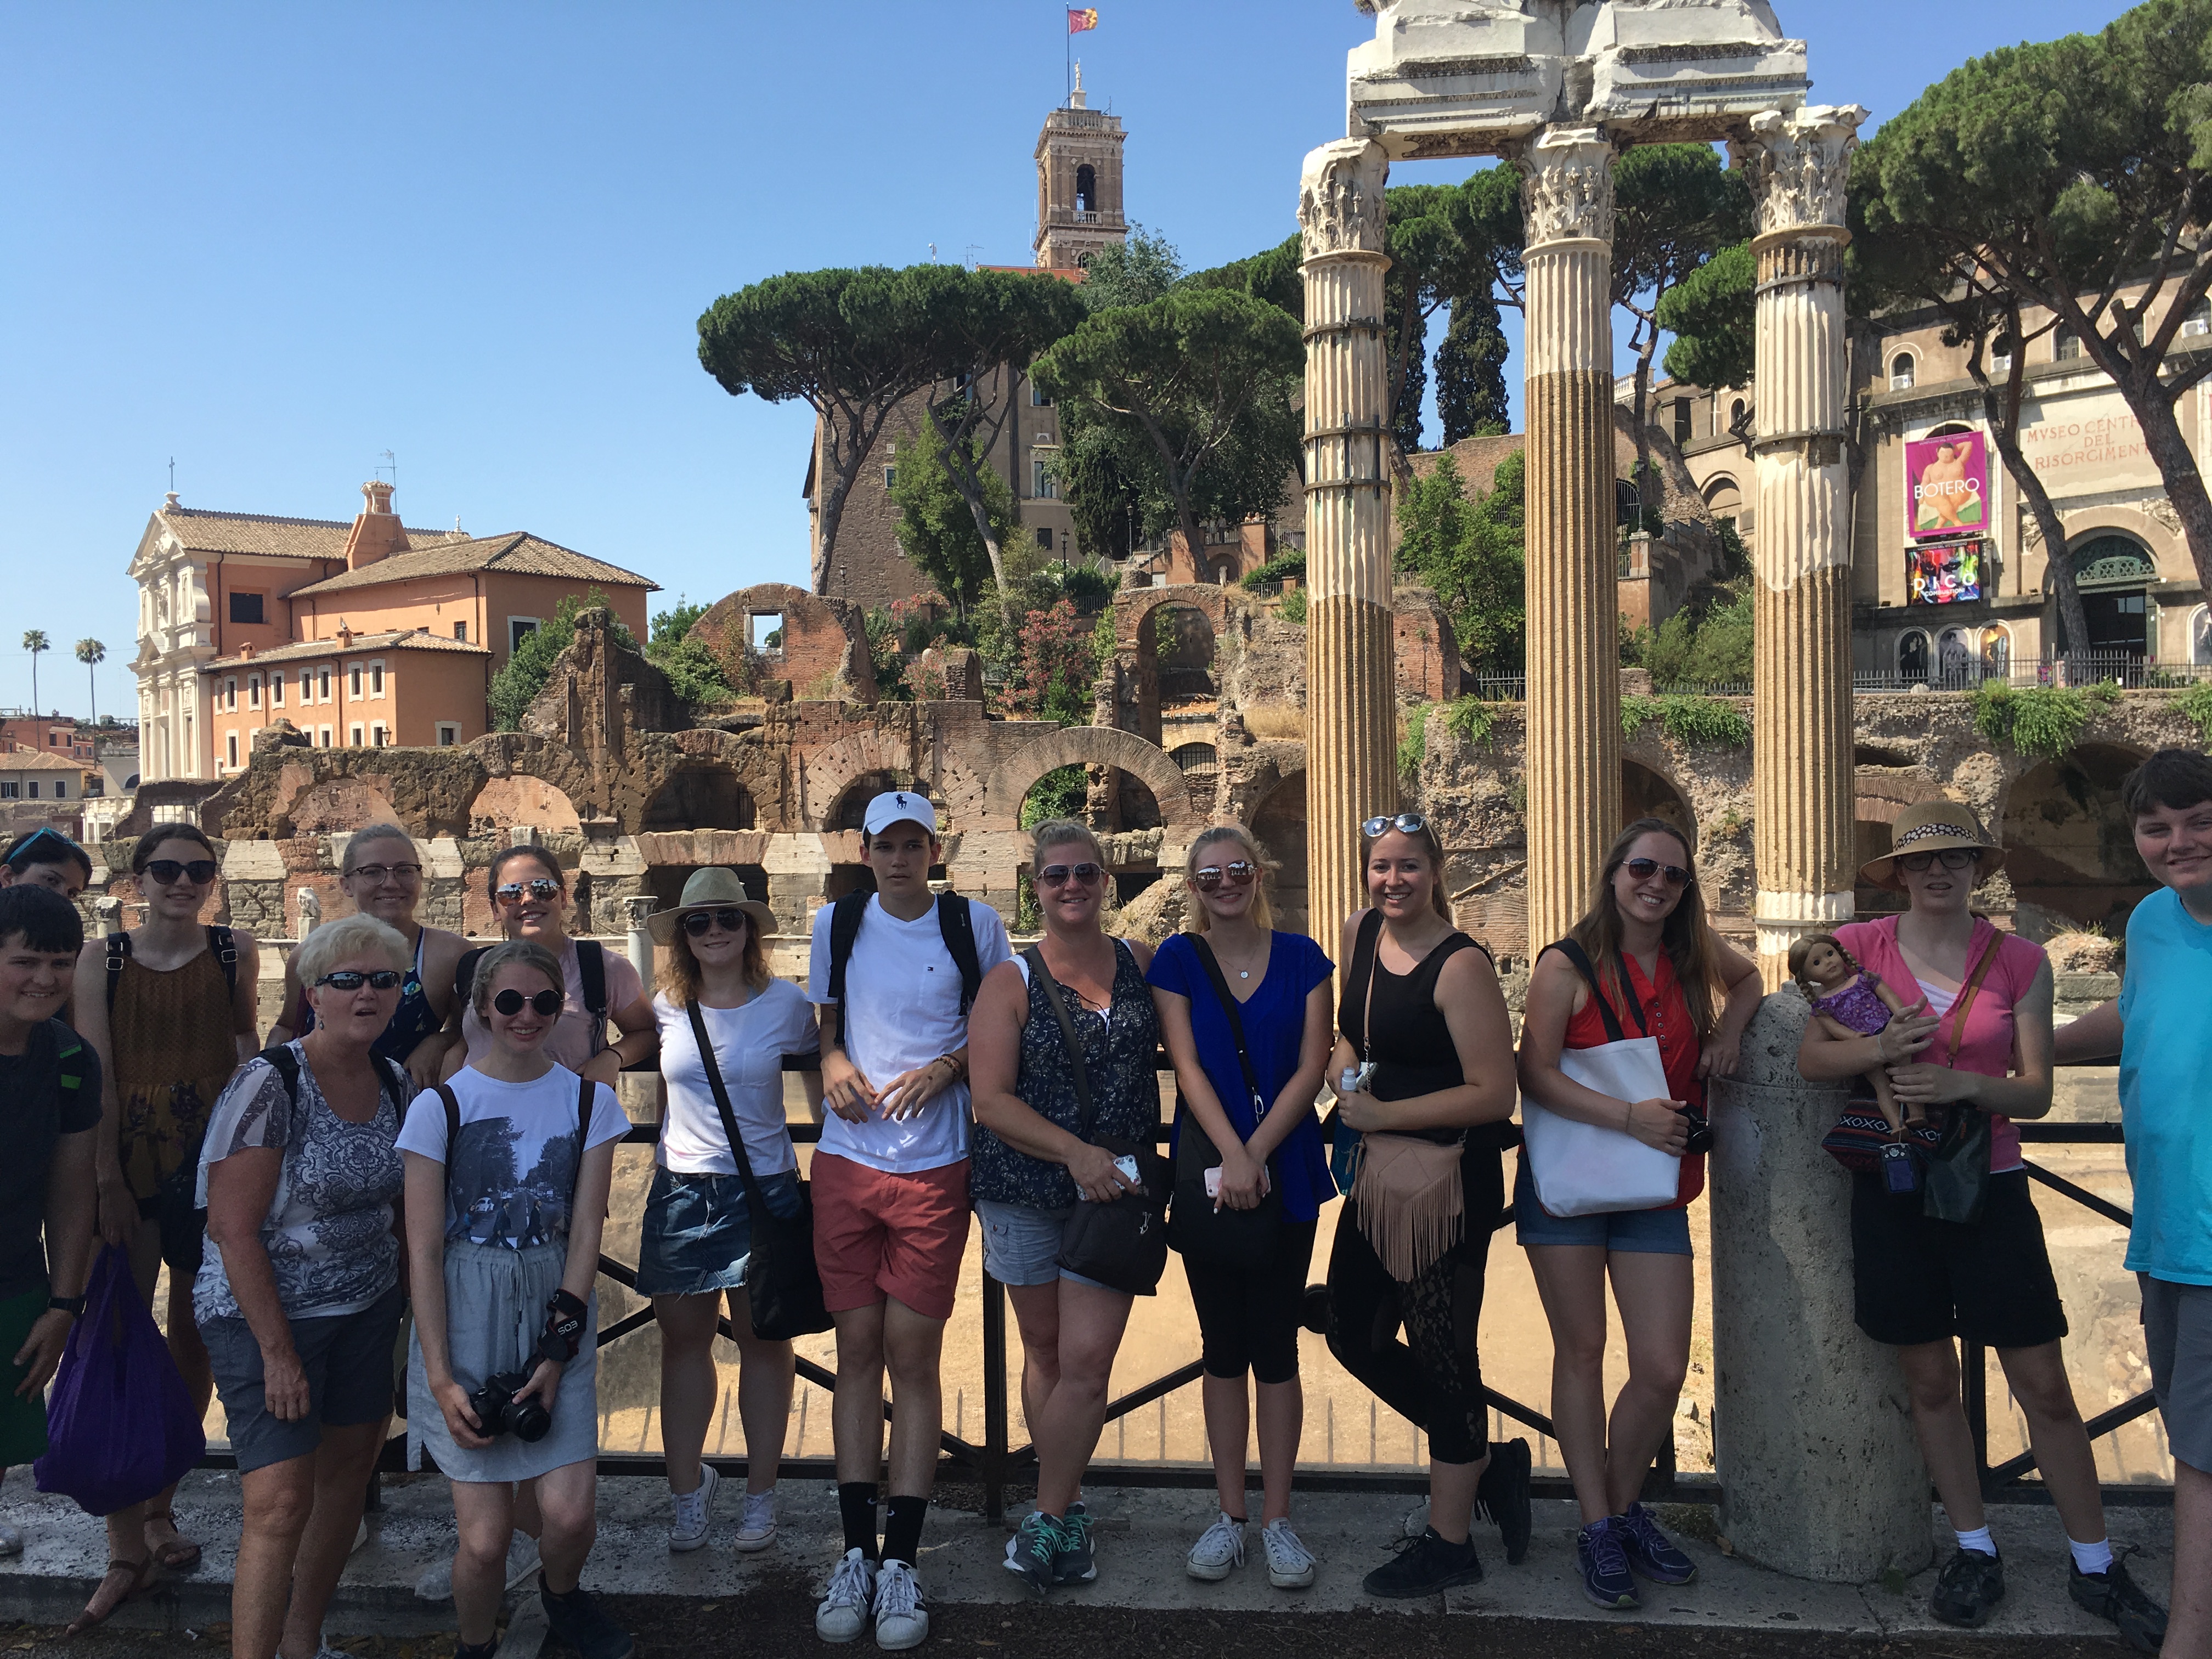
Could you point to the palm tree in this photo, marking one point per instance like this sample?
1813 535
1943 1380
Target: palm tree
91 653
34 640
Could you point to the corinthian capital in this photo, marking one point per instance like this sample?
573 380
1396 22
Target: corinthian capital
1567 186
1341 198
1799 164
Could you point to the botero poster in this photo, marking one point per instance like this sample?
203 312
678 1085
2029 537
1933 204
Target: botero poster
1946 485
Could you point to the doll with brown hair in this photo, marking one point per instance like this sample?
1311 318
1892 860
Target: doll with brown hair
1849 1002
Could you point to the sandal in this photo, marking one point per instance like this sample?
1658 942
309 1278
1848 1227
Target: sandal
174 1554
141 1573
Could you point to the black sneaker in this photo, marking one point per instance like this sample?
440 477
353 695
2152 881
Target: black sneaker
1075 1559
1313 1309
2113 1595
1501 1497
1651 1554
1968 1588
1602 1555
1425 1566
578 1621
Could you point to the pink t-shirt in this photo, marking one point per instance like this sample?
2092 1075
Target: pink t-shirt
1986 1044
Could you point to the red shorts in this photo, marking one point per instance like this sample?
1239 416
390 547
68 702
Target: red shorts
877 1234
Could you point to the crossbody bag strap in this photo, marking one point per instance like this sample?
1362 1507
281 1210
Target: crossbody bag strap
1573 951
722 1102
1035 957
1213 967
1366 951
1967 999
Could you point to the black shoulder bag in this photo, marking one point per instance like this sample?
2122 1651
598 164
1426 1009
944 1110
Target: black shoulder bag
1203 1231
782 1284
1123 1243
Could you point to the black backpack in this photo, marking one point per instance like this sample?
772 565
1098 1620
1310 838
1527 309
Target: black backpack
954 921
591 971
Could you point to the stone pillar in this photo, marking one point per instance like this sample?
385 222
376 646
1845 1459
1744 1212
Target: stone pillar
1801 788
1351 729
1573 755
640 909
1821 1476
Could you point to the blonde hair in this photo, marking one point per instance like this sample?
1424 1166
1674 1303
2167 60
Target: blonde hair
680 976
1198 919
1059 832
345 938
512 953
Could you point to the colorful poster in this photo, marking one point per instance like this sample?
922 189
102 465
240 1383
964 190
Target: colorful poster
1943 572
1946 485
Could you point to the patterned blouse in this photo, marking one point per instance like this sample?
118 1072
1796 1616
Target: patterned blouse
1119 1052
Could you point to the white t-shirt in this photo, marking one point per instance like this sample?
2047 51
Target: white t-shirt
902 1009
750 1043
573 1042
512 1177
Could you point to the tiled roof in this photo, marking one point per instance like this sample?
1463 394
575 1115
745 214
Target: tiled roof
37 760
515 553
393 639
270 536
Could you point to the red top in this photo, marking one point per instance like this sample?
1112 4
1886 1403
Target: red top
1666 1016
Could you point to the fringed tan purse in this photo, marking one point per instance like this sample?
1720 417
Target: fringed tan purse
1407 1199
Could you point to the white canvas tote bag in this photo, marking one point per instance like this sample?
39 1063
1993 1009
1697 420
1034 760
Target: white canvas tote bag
1585 1169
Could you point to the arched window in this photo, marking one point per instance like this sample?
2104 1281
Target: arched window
1724 498
1735 413
2200 637
1900 371
1996 650
1912 657
1086 189
2065 346
1954 656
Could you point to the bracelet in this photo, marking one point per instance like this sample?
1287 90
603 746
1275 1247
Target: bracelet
71 1305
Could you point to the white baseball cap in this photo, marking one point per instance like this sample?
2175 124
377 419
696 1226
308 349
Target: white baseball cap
899 806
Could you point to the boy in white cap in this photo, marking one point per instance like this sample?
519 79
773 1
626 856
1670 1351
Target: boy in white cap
895 972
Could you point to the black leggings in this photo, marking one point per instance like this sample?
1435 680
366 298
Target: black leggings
1434 1378
1249 1318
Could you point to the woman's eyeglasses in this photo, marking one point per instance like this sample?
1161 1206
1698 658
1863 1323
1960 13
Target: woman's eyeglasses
347 978
1953 858
509 1002
1237 872
377 873
1644 869
1059 875
1410 823
700 923
198 871
543 888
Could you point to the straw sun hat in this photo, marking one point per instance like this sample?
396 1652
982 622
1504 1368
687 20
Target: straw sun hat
1931 826
712 889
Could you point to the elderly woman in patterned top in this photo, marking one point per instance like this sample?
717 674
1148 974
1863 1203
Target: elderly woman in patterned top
299 1296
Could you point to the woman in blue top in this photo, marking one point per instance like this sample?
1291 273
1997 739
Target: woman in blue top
1249 1318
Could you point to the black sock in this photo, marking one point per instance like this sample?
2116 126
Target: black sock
902 1527
856 1502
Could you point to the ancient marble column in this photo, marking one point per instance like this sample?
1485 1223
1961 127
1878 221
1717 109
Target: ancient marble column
1352 767
1801 811
1573 754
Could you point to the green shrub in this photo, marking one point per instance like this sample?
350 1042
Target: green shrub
1689 719
2196 703
2045 722
1472 719
516 685
1294 606
1414 746
1283 567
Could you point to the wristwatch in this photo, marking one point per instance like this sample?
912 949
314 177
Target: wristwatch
71 1305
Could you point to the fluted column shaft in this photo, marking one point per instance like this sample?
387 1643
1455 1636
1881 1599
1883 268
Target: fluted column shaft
1351 702
1801 782
1571 582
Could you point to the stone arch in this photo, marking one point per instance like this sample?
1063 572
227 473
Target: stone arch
1647 791
2070 851
1279 823
851 806
1135 646
521 798
1092 745
823 652
828 774
699 794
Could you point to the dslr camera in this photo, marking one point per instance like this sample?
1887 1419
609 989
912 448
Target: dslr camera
1701 1131
499 1413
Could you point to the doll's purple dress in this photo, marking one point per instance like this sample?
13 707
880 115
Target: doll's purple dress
1857 1007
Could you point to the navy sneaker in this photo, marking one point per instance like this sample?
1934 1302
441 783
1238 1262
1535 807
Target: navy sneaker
1600 1551
1502 1497
1968 1588
1075 1559
2113 1595
1651 1554
1031 1550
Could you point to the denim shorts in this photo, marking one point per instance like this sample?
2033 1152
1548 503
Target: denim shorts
1630 1232
697 1237
348 1361
1021 1243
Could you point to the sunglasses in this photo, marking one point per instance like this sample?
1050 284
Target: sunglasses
1410 823
546 1002
1953 858
199 872
347 978
378 873
543 889
1238 873
700 923
1644 869
1059 875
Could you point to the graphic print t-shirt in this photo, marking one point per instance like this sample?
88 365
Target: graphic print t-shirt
511 1177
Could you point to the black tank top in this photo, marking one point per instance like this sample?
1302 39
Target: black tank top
1411 1044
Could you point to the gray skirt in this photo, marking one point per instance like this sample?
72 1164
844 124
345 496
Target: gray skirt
495 1301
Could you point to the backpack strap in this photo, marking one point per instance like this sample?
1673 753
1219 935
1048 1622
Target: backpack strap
845 918
1041 977
1574 953
286 1065
119 952
955 920
69 1059
453 1123
583 1138
591 981
224 946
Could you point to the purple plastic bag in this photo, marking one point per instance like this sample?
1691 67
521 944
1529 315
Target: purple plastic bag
120 1426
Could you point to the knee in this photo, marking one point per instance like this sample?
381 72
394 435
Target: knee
2046 1399
281 1513
1659 1379
1578 1351
483 1544
570 1519
1934 1394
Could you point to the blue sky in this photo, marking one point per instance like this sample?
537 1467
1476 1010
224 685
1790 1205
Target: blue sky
275 242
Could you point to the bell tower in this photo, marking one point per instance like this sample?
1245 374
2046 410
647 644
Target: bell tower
1079 161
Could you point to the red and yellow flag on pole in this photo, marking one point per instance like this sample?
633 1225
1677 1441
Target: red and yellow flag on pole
1080 18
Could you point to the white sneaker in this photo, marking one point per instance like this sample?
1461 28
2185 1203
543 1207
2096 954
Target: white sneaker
843 1612
11 1540
901 1621
756 1528
1290 1564
694 1512
1219 1550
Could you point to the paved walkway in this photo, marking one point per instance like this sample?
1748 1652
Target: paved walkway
1142 1535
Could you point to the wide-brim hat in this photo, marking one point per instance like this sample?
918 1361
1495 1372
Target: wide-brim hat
712 889
1931 826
